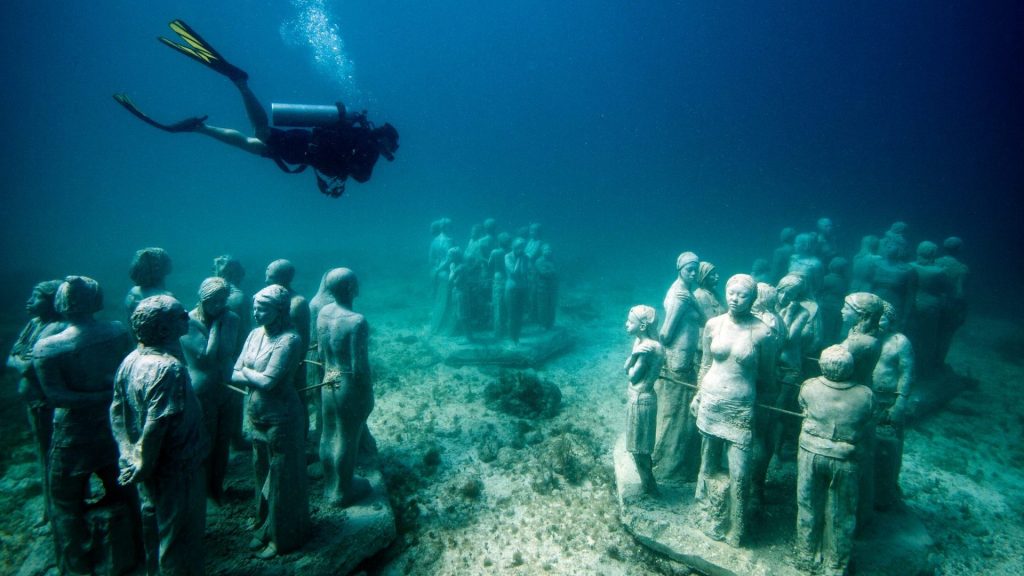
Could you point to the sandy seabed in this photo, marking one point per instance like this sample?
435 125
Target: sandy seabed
478 491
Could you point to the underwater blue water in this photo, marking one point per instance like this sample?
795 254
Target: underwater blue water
632 130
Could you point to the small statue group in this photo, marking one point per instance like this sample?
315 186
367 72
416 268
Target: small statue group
755 395
154 420
494 285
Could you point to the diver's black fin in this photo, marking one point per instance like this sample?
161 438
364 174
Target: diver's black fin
201 51
186 125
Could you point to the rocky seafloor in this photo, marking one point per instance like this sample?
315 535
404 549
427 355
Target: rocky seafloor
483 483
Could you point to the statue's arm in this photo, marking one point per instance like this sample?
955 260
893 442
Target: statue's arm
51 378
361 349
281 361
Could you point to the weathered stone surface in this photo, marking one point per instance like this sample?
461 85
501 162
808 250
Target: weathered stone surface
343 538
535 346
896 543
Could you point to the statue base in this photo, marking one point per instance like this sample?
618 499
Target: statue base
894 543
535 346
345 537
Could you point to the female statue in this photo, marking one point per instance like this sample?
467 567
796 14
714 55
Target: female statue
676 452
738 365
209 351
269 358
643 367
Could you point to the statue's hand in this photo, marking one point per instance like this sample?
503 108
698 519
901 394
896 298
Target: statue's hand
695 405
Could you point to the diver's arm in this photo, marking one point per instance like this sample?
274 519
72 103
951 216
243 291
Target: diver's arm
234 138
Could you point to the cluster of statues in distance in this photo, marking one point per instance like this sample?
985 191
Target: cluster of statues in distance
492 286
801 361
153 413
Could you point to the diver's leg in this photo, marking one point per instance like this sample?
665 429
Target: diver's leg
233 138
254 110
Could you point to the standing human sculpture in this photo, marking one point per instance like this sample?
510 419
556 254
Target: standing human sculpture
833 443
864 264
861 314
45 321
157 422
281 272
148 271
496 272
209 351
737 368
516 277
677 448
269 358
782 254
893 280
834 288
892 380
797 323
347 390
643 368
930 300
546 305
76 371
955 312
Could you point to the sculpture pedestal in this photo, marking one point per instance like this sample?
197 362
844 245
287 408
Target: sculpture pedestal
344 537
895 543
535 346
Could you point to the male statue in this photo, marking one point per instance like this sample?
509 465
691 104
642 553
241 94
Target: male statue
76 370
158 424
343 337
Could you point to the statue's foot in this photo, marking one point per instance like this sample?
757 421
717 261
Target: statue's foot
267 553
359 489
256 544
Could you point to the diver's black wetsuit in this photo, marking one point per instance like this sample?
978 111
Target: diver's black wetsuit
341 153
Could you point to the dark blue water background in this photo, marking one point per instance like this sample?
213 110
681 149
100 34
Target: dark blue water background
633 130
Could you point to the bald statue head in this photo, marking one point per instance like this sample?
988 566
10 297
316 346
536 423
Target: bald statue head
343 285
281 272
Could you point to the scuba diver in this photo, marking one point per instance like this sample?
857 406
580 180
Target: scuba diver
338 145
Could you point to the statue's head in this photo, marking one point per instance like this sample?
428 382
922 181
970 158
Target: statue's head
271 307
476 231
887 321
787 235
213 297
229 268
836 363
535 230
825 226
767 298
149 267
41 303
861 311
952 245
504 240
791 288
518 246
740 293
687 266
280 272
898 227
343 285
159 320
804 244
490 226
641 320
78 296
927 251
707 275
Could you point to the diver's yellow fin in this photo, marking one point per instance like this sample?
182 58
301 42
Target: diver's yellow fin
199 50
